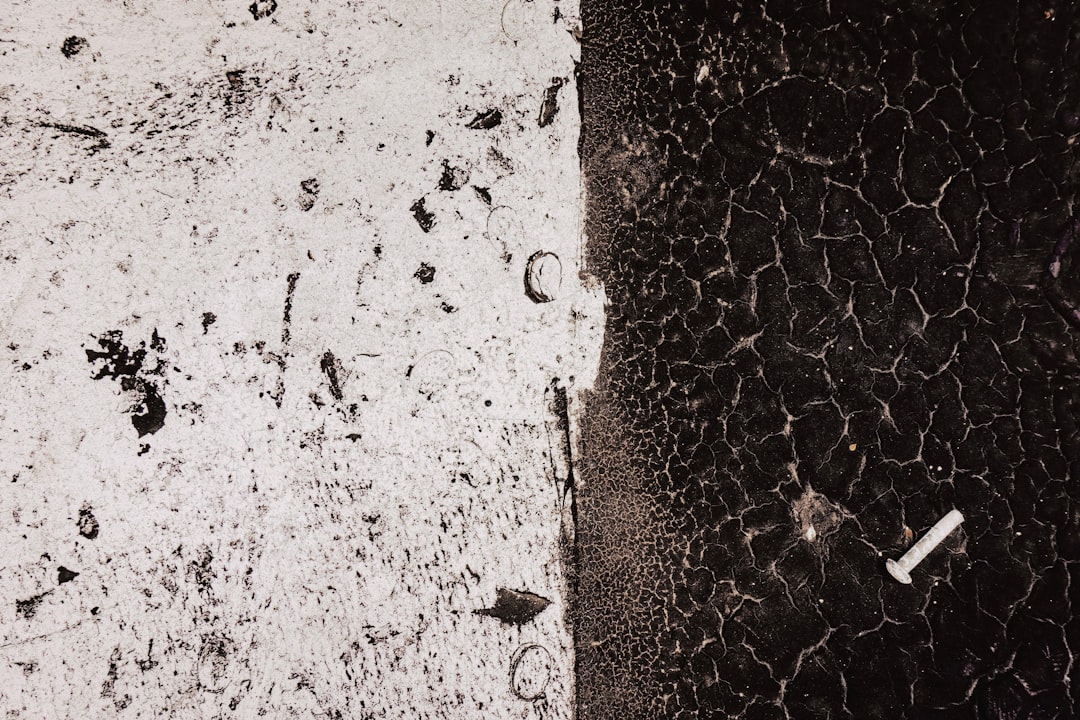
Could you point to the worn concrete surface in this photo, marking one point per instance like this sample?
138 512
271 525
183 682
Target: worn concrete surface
276 413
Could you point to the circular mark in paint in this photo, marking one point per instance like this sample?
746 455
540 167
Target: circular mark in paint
503 228
472 466
530 669
543 276
214 661
515 19
432 372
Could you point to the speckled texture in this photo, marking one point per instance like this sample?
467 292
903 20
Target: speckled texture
269 434
839 242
